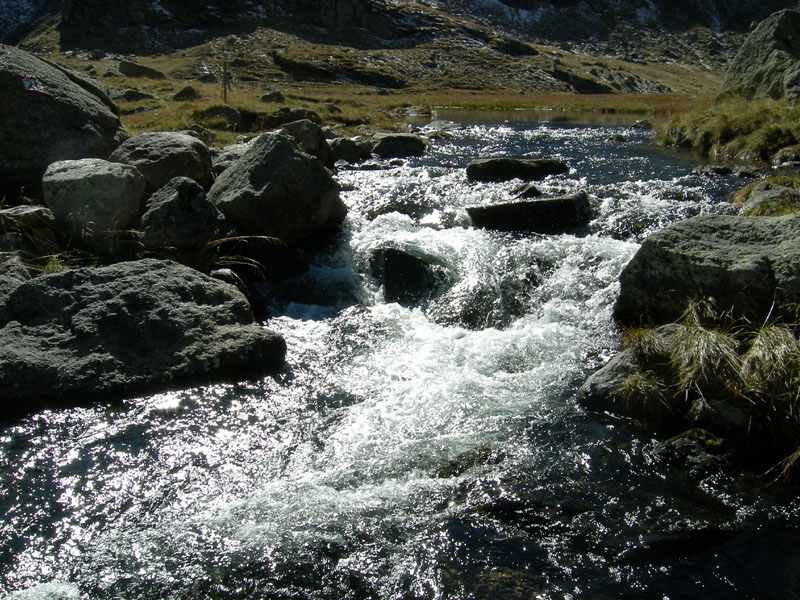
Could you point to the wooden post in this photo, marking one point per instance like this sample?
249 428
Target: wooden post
225 81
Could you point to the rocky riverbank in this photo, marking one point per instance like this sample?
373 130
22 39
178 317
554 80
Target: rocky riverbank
127 261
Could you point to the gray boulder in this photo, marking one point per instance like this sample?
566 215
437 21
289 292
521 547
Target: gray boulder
767 197
767 62
162 155
30 229
744 263
180 216
49 114
276 190
133 69
129 328
507 168
546 215
91 197
397 145
222 158
231 117
187 94
310 139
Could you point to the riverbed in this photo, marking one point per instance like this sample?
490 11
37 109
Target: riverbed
432 451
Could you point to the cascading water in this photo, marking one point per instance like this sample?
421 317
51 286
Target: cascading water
422 452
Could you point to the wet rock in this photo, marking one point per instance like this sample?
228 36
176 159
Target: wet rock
505 169
744 263
697 450
310 139
133 69
478 456
180 216
129 328
548 215
93 198
274 190
160 156
483 304
767 197
604 391
397 145
353 150
642 124
527 191
48 115
712 170
409 276
187 94
766 64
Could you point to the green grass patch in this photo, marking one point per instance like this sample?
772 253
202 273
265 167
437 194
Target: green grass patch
736 129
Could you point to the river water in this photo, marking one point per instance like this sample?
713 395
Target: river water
424 452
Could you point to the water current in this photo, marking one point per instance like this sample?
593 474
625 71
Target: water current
425 452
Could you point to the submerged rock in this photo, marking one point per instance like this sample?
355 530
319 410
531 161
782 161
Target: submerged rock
745 263
48 114
547 215
275 190
129 328
506 169
162 155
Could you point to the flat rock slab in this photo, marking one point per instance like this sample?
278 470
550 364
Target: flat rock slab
744 263
506 169
110 332
546 215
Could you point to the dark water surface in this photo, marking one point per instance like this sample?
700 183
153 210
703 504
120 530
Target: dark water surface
415 453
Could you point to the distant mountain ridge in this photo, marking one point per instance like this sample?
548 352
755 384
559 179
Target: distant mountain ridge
578 20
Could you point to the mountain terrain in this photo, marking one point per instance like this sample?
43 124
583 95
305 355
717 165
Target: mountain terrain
312 50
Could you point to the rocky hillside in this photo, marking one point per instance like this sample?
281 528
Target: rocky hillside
700 31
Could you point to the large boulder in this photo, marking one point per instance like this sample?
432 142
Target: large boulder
508 168
350 150
162 155
766 65
92 197
48 114
547 215
276 190
397 145
180 216
133 69
744 263
129 328
310 138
